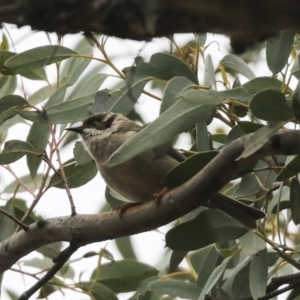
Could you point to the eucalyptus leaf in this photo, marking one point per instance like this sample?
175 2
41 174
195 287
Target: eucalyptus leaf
78 65
210 226
124 275
214 277
278 50
187 169
165 66
70 111
173 89
97 290
178 288
271 105
14 150
209 73
178 118
7 225
36 58
38 137
235 63
80 154
295 200
258 275
260 84
8 85
76 175
259 138
290 170
8 105
119 101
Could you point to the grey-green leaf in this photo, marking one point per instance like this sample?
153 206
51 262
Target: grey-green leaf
177 288
291 169
8 104
14 150
258 275
271 105
278 50
178 118
237 64
295 200
209 73
259 138
76 175
36 58
70 111
119 101
210 226
80 154
38 137
165 66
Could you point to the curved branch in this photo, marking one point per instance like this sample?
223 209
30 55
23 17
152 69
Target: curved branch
86 229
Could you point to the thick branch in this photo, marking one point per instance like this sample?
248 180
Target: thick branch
86 229
247 20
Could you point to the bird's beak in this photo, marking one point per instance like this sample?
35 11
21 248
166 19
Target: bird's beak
78 129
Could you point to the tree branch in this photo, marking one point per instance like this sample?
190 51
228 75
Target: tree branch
86 229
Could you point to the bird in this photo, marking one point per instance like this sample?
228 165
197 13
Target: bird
140 178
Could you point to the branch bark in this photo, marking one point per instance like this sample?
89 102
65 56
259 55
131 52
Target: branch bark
86 229
246 21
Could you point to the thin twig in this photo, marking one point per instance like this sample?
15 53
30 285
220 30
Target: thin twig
59 262
22 225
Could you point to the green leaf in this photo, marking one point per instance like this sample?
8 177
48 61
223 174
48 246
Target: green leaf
8 85
211 97
41 94
36 58
290 170
14 150
7 225
57 97
38 138
188 168
78 65
33 116
8 104
209 73
295 200
214 277
97 290
173 88
251 243
237 64
123 276
27 179
91 85
258 276
177 288
206 260
125 246
80 154
296 102
121 101
178 118
210 226
271 105
70 111
240 282
37 74
261 84
259 138
76 175
279 49
176 258
165 66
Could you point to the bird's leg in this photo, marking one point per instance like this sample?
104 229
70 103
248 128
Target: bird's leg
161 193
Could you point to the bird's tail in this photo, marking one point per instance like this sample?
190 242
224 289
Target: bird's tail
243 213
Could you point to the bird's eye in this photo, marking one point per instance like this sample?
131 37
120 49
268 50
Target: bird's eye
94 124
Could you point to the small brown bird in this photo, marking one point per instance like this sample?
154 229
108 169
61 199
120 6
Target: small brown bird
139 178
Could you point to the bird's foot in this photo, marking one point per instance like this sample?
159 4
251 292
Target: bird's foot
158 196
122 208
